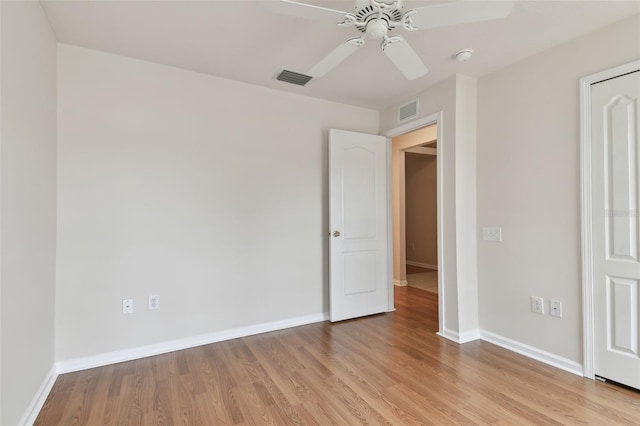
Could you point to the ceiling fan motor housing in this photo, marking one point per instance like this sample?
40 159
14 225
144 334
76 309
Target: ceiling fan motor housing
361 4
377 29
374 13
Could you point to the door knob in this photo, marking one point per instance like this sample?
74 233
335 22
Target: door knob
336 233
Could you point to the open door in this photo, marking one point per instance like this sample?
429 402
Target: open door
358 278
615 160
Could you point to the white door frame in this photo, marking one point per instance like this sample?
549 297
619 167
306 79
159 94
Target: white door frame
588 361
429 120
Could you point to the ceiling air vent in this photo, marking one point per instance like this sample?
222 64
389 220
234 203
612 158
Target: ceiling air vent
293 77
408 111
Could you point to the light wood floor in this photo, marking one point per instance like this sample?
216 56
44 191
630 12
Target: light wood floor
384 369
422 278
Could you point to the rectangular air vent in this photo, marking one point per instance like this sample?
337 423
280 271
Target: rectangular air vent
408 111
293 77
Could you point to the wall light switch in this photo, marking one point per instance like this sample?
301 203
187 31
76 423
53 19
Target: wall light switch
491 233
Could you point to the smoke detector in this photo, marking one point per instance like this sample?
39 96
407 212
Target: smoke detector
463 55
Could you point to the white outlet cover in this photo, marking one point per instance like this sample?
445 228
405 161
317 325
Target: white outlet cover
127 306
537 305
154 302
555 308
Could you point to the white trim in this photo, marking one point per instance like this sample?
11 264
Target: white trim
422 150
586 204
414 125
185 343
390 295
31 414
422 265
514 346
440 205
448 334
437 119
467 336
532 352
400 283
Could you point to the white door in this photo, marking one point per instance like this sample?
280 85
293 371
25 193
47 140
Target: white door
615 161
358 277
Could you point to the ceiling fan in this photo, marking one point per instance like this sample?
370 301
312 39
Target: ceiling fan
377 18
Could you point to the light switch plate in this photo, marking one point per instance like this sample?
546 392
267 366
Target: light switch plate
491 233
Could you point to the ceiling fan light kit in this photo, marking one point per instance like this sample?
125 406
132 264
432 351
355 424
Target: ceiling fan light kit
376 18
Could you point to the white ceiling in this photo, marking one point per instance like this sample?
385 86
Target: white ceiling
241 41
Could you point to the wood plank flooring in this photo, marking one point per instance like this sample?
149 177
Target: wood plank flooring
384 369
422 278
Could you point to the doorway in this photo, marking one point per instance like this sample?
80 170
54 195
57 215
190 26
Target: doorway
421 220
417 256
421 217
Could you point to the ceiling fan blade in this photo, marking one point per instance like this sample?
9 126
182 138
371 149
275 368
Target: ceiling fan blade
404 57
459 12
303 10
338 55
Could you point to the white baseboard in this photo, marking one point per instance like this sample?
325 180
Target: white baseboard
469 336
532 352
114 357
422 265
30 416
515 346
448 334
400 283
464 337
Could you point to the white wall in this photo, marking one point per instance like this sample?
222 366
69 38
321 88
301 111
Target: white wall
28 205
528 183
455 97
208 192
465 188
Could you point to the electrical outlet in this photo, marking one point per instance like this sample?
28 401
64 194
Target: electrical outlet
556 308
127 306
154 302
537 305
491 233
